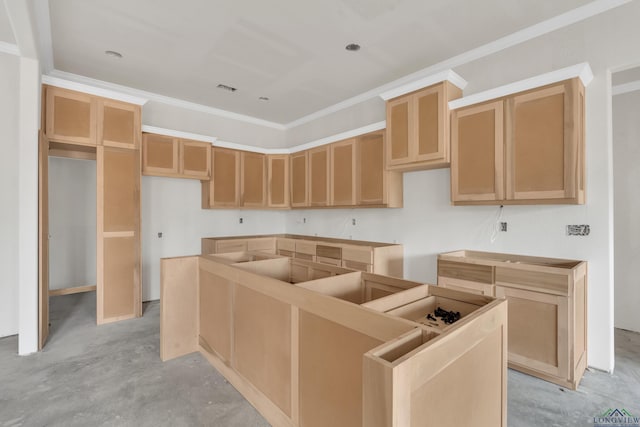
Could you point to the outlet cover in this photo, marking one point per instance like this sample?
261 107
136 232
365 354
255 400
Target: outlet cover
578 230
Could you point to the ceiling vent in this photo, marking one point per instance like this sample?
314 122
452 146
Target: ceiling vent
227 88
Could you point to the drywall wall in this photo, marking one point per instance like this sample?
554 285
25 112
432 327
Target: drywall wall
171 206
9 98
72 222
626 178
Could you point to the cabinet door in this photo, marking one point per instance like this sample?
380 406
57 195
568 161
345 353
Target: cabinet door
118 264
542 143
299 183
429 110
477 153
195 159
370 177
253 179
398 130
70 116
538 330
223 190
159 155
343 173
278 181
319 176
119 124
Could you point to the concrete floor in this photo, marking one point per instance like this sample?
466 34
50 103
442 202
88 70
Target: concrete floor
112 376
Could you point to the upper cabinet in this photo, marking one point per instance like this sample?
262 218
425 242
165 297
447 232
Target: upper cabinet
343 173
223 190
418 128
299 183
278 181
375 186
253 179
521 149
319 162
173 157
82 119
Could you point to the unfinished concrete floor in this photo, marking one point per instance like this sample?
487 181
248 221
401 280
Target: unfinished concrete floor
112 375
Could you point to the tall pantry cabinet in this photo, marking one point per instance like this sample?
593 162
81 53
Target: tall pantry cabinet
81 126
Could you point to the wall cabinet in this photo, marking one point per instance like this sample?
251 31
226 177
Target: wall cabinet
547 317
343 173
374 184
174 157
319 176
521 149
253 179
223 190
278 181
418 128
82 119
299 182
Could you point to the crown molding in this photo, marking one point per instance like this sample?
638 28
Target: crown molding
10 48
582 71
93 90
447 75
178 134
625 88
339 136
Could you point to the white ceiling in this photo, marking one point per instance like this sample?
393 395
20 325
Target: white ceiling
6 33
291 51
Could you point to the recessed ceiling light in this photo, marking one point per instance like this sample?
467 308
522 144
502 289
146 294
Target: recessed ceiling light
227 88
113 53
352 47
264 98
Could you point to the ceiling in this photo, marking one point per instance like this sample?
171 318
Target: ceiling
6 33
291 51
626 76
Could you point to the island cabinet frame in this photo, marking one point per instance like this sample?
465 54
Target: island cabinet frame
331 351
547 307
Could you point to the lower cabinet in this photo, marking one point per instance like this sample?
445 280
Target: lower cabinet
547 307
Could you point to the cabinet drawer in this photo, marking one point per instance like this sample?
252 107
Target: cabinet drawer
330 261
467 286
324 251
286 244
262 244
284 252
223 246
557 284
355 265
308 257
306 247
464 271
362 254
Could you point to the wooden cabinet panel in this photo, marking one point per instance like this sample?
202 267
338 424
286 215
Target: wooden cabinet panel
159 154
70 116
467 286
234 245
418 128
343 173
263 244
195 159
477 153
119 124
223 190
278 181
299 183
253 179
374 184
319 162
215 300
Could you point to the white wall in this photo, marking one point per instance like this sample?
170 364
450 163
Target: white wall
172 206
626 174
72 222
9 99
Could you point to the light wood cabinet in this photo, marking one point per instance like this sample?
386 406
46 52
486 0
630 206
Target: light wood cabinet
253 183
278 181
223 190
164 155
343 173
118 124
521 149
418 128
547 307
299 182
71 116
374 184
319 176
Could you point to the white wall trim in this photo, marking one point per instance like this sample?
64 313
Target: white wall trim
340 136
626 88
10 48
583 71
243 147
179 134
447 75
93 90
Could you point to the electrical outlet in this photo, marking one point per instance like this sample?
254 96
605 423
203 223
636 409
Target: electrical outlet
578 230
160 235
241 220
353 221
503 226
304 220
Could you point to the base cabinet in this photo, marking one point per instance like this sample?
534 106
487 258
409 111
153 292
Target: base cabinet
547 307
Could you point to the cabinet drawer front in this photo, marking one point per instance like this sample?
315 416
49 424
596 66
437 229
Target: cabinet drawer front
334 252
330 261
223 246
306 247
286 244
263 244
466 286
362 254
464 271
308 257
538 281
355 265
284 252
